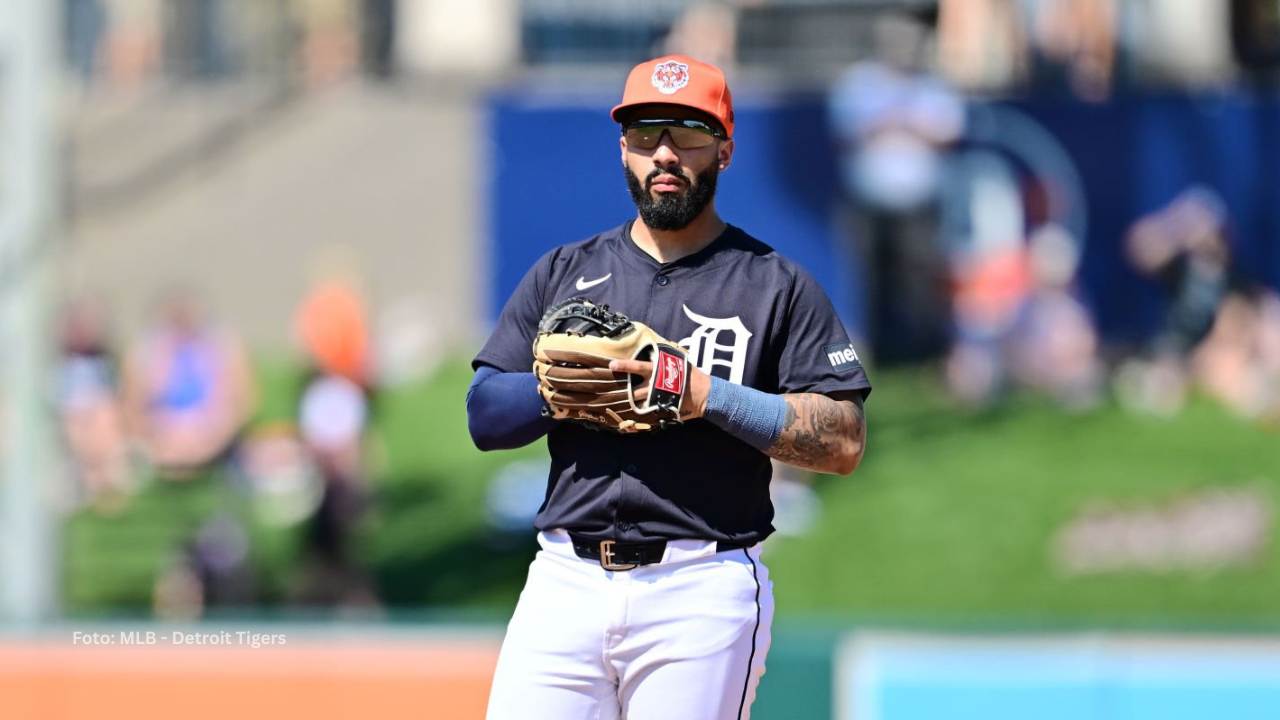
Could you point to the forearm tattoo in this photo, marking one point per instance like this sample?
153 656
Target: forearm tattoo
820 433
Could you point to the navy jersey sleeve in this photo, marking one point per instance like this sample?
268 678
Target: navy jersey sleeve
510 347
817 355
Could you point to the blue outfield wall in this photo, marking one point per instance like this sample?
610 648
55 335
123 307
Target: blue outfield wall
1135 154
555 178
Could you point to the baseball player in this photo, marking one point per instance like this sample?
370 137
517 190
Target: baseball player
662 410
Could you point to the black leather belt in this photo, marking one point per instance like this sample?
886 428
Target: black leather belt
620 555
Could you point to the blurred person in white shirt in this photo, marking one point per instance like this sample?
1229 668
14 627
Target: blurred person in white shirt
88 407
894 122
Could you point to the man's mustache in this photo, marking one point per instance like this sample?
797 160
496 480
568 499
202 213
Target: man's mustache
674 172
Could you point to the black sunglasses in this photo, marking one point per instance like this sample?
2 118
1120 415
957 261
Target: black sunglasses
685 134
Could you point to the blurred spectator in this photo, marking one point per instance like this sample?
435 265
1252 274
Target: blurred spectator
1057 45
88 409
1183 247
1183 42
377 37
132 41
178 593
332 326
1238 363
329 42
894 123
990 277
982 43
211 571
1255 36
333 418
1074 46
196 43
84 23
277 471
1054 348
219 553
707 31
187 389
1017 318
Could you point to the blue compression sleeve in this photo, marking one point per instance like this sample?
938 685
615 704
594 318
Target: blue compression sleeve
504 410
752 416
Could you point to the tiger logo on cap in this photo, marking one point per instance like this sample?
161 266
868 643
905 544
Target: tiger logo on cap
670 76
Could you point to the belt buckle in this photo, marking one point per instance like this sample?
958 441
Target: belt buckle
606 557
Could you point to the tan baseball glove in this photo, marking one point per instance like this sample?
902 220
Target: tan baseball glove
576 340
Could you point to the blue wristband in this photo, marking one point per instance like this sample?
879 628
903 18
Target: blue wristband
752 416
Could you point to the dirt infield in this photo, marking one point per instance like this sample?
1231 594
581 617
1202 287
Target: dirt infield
319 681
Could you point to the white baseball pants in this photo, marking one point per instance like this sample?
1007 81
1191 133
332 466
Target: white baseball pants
683 639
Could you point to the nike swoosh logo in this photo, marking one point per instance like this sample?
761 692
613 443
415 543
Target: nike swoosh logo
585 284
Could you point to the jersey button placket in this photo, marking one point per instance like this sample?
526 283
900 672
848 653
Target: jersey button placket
662 280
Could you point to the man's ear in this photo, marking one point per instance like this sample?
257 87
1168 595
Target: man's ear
622 145
724 154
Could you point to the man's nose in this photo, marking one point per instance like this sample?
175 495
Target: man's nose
664 155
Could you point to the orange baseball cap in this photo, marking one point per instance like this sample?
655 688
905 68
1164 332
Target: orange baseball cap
679 80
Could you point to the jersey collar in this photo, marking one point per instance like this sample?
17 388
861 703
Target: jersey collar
632 251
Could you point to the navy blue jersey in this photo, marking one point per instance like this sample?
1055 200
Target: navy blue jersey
745 314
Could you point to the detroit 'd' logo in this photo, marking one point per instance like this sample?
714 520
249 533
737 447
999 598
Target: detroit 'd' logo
717 343
670 76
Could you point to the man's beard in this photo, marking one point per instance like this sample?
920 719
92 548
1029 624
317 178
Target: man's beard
672 211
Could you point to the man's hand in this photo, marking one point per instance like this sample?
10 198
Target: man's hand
695 399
